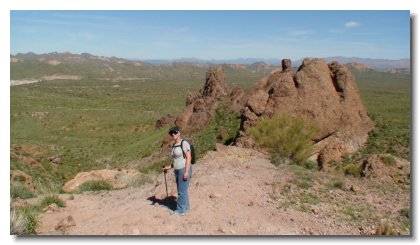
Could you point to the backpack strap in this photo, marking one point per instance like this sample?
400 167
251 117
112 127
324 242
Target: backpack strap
182 149
183 153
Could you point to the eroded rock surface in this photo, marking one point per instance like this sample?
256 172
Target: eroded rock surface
325 94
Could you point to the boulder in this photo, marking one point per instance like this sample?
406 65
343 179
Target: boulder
51 208
115 177
325 94
221 147
65 223
373 167
55 160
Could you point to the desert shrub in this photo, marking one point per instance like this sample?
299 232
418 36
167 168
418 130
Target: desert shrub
95 185
304 185
289 202
388 160
20 191
227 121
139 180
405 212
347 159
285 137
353 169
19 178
357 213
304 208
339 185
385 229
278 159
50 199
223 120
23 221
309 164
286 189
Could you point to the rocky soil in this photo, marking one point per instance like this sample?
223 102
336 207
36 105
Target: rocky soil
237 191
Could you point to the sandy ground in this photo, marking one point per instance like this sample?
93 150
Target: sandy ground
230 194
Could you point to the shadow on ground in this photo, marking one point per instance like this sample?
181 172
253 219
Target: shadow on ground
169 202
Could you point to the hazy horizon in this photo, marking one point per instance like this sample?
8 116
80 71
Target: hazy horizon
199 59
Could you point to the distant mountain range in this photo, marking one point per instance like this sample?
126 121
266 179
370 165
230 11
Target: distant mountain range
79 66
245 61
43 66
376 64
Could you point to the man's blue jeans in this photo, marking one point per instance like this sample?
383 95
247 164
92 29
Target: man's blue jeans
183 203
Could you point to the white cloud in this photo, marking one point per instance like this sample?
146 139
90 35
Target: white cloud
351 24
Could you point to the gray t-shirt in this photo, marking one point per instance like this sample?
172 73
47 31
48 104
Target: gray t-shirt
179 160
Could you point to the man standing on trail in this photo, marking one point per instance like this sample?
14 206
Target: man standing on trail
181 153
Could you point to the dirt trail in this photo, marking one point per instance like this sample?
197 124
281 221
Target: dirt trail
229 195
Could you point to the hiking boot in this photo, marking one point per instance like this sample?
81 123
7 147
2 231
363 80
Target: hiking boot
176 213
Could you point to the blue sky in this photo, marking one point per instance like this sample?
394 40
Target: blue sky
213 34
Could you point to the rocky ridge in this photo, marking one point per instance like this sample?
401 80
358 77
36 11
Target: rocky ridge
321 93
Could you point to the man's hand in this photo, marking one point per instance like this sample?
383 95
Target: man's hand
185 176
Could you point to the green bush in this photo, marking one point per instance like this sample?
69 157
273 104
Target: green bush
304 185
309 164
223 120
304 208
353 169
310 199
48 200
285 138
23 221
388 160
20 191
95 185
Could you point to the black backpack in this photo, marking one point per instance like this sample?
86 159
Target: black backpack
183 153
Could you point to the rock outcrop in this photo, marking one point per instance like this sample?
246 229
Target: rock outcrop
118 178
237 100
18 176
325 94
395 172
201 107
165 120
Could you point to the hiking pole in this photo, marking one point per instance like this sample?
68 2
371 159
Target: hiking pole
166 185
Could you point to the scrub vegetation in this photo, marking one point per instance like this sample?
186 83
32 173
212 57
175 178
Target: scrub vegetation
95 124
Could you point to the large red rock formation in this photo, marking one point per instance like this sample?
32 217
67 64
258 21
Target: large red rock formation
325 94
201 107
